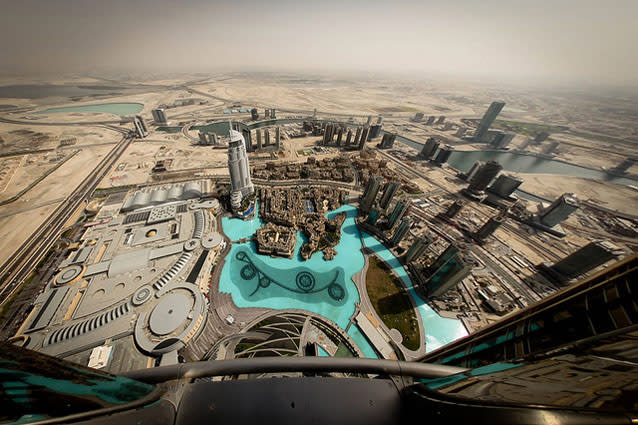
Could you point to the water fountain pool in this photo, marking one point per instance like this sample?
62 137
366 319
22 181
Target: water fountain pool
323 287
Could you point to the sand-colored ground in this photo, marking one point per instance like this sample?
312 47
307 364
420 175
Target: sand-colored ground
16 228
613 196
25 169
20 218
397 99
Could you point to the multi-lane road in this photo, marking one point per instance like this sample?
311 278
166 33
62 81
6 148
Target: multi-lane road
23 261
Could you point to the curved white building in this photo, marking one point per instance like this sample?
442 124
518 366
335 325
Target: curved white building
175 193
240 183
158 196
191 190
141 199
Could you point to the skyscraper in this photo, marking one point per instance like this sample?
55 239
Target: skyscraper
370 194
364 137
277 138
159 116
357 136
266 137
418 247
445 272
140 127
505 185
254 114
348 137
259 139
473 170
388 140
484 176
240 183
429 148
559 210
580 262
389 190
401 231
400 208
443 154
375 130
212 139
245 131
373 217
487 120
501 140
326 135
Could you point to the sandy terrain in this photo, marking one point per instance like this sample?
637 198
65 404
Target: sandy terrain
396 99
608 195
20 218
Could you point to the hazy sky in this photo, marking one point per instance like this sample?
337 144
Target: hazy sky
594 41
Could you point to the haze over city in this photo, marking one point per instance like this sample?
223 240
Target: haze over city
566 40
287 212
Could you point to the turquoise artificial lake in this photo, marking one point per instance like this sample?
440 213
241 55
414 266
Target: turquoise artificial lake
256 280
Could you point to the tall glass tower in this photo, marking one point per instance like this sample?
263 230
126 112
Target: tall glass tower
240 183
487 120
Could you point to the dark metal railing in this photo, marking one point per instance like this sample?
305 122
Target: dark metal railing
295 364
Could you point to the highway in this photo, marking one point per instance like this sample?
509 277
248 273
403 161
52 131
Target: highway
23 261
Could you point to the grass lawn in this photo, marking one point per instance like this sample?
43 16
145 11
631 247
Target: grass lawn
391 303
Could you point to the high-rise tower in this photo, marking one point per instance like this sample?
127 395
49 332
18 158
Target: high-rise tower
388 140
400 208
364 137
484 176
370 194
429 148
446 272
580 262
240 183
505 185
559 210
389 190
487 120
443 154
141 130
402 230
418 247
159 116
